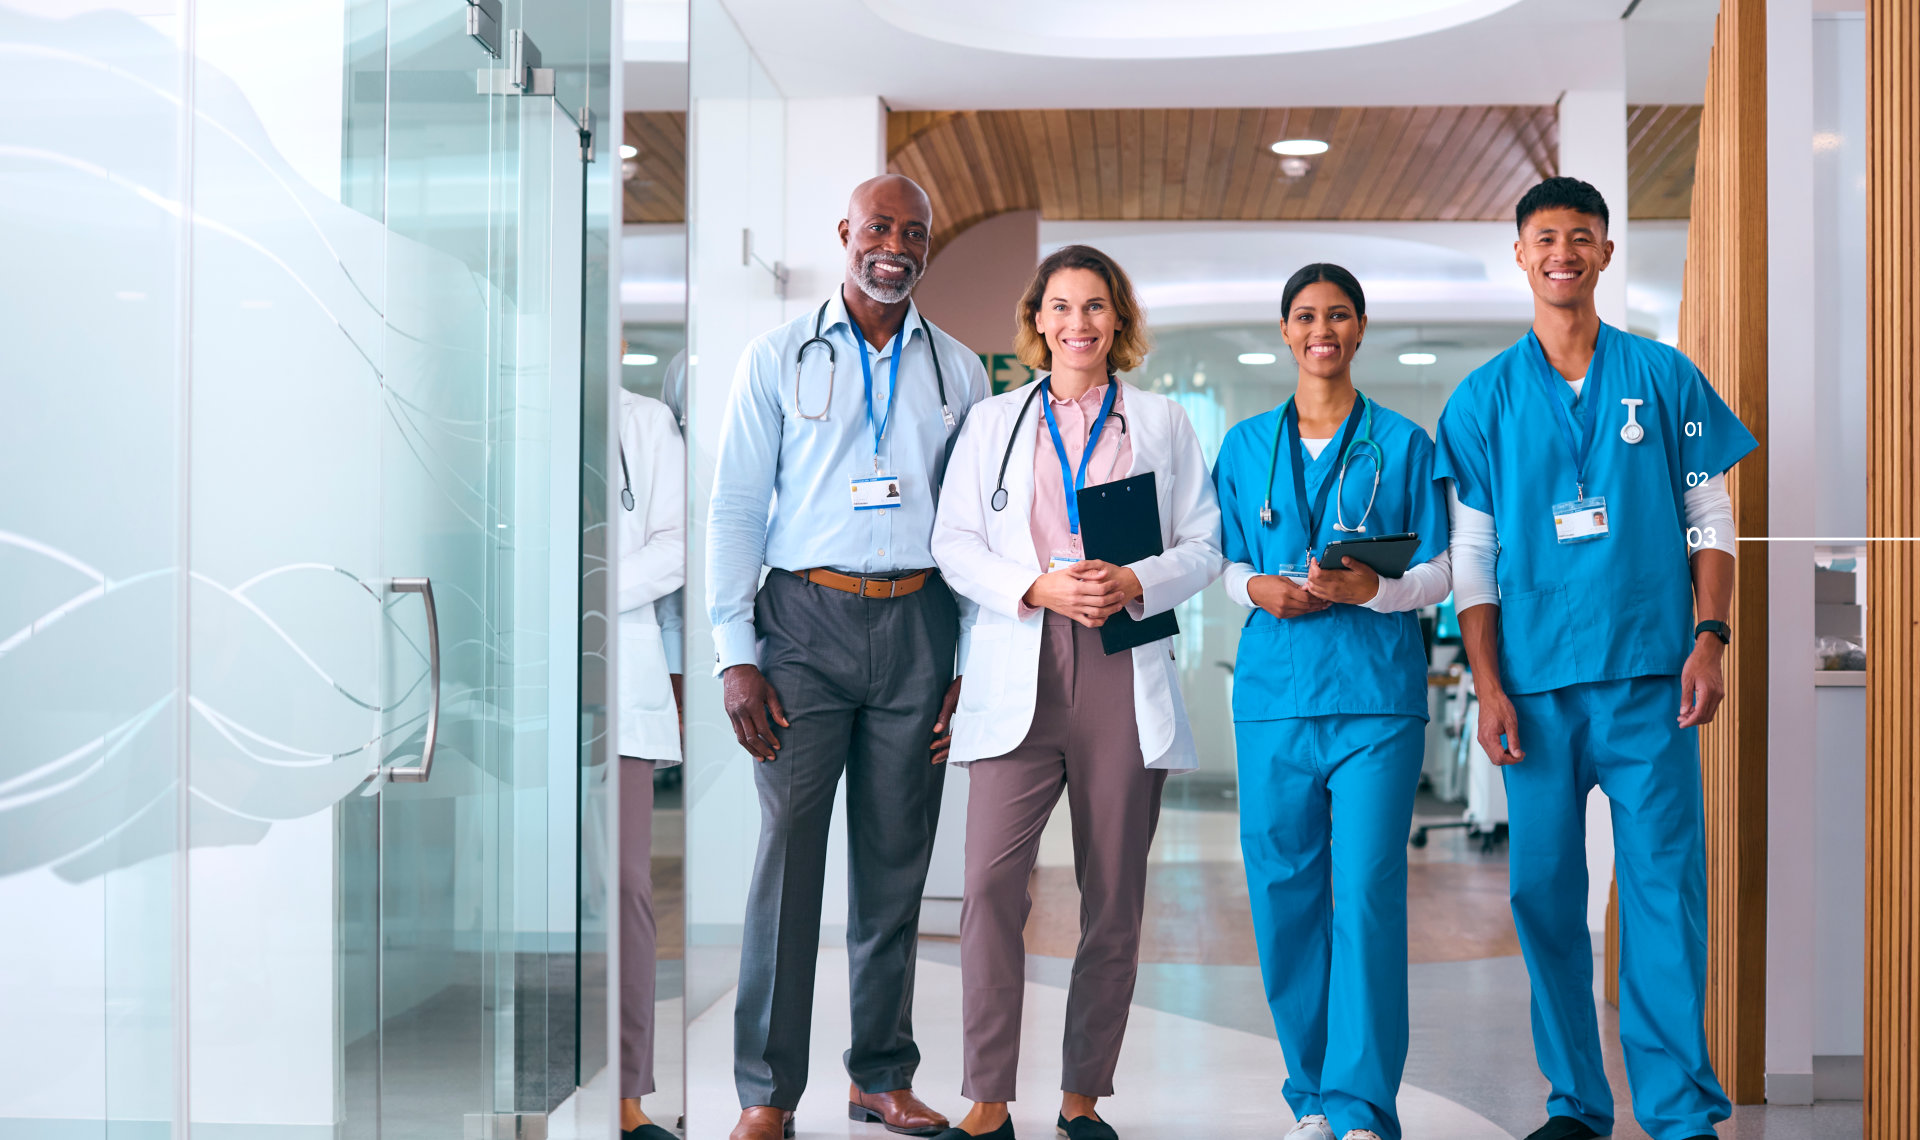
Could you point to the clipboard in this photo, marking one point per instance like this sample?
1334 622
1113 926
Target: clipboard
1120 523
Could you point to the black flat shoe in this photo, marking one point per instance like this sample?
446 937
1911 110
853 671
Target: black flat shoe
1562 1128
1085 1128
647 1132
1004 1132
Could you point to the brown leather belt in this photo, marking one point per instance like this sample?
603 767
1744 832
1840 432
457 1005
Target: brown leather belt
866 587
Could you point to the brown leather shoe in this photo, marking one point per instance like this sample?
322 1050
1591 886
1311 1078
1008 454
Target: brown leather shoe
900 1111
763 1122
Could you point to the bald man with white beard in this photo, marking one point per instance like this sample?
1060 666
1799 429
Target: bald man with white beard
835 441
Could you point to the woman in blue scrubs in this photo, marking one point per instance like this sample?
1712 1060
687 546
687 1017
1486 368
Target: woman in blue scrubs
1329 708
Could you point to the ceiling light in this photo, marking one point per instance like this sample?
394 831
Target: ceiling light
1300 147
1293 166
1257 358
628 150
639 358
1418 358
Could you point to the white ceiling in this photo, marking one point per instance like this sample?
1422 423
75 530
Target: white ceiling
1155 29
1527 53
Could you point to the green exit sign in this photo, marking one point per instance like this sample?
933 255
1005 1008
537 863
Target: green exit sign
1004 371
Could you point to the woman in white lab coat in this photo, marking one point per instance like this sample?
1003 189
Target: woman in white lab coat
1043 708
650 523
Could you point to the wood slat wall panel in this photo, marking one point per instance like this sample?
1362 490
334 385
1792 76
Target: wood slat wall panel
1892 1028
1405 163
659 192
1723 318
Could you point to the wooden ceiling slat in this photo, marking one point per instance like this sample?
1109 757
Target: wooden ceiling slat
1236 180
1402 163
1107 162
1329 185
1200 158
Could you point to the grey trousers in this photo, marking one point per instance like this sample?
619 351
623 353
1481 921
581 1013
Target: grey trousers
638 936
861 680
1085 740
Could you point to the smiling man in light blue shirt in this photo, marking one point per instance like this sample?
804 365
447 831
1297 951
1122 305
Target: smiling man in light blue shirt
835 441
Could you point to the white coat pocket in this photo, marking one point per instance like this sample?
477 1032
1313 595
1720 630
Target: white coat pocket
649 724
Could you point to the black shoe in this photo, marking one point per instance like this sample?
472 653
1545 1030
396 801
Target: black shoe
1563 1128
647 1132
1004 1132
1085 1128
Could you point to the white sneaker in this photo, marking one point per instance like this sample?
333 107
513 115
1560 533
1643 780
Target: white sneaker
1361 1134
1313 1127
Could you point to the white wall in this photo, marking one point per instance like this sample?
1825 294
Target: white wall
737 181
1840 486
1791 477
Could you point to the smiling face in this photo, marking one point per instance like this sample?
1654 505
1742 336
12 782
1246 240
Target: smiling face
1078 320
887 234
1563 252
1323 330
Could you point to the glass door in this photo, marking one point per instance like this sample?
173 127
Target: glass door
469 868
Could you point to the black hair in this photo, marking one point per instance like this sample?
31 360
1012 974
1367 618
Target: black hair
1561 194
1333 275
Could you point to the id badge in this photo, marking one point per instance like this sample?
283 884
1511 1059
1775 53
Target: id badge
876 493
1061 560
1581 520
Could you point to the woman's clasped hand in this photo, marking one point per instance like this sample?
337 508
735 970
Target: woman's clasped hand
1089 591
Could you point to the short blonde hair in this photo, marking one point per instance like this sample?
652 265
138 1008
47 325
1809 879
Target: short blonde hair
1130 342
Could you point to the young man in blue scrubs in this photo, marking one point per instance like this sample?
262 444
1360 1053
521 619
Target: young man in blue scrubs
1590 461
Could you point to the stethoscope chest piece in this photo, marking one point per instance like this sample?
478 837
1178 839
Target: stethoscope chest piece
1631 431
999 500
626 497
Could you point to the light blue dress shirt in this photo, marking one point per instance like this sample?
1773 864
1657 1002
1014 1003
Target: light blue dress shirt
781 482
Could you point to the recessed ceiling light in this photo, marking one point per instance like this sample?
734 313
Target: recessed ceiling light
639 358
1257 358
1300 146
628 150
1418 358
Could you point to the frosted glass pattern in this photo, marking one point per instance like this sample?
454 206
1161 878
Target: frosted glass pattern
302 326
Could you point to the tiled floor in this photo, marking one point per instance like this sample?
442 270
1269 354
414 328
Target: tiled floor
1200 1057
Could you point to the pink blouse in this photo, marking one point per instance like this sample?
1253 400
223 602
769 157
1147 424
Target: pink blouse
1112 457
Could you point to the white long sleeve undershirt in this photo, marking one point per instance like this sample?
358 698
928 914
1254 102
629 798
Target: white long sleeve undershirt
1476 549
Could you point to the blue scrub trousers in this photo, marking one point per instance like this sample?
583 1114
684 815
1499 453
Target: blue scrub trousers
1325 806
1622 736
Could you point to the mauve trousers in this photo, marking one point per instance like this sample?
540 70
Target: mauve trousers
1084 739
637 931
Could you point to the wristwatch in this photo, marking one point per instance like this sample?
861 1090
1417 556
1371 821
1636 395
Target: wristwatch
1719 629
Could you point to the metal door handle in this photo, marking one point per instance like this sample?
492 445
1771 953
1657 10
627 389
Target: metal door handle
418 774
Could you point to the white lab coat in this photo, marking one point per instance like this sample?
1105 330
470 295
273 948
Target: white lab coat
987 556
653 564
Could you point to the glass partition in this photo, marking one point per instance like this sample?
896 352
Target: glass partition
309 431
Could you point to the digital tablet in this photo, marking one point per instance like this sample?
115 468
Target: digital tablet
1389 554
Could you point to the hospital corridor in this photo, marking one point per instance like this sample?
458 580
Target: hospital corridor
1090 569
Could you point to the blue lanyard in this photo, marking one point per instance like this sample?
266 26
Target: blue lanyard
1290 423
1073 482
1578 450
893 384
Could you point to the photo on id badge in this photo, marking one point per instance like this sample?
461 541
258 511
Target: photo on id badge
877 492
1581 520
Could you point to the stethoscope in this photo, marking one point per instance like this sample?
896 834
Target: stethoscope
833 362
999 500
626 484
1365 439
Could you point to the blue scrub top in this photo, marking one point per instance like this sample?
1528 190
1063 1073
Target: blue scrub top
1613 607
1344 659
